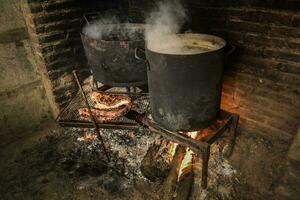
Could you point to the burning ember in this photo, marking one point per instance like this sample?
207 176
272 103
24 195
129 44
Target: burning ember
88 137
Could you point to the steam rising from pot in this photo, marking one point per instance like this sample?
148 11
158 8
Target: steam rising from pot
161 32
110 28
163 23
163 27
103 26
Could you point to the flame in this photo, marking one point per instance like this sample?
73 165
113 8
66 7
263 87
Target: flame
188 155
186 162
172 150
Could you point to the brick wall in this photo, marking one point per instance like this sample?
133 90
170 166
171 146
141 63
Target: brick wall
262 79
23 105
54 29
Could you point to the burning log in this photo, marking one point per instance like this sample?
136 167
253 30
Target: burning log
170 184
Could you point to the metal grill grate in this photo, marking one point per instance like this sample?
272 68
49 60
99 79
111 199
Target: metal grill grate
138 116
70 117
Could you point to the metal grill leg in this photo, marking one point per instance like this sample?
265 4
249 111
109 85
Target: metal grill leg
232 134
128 90
95 83
205 158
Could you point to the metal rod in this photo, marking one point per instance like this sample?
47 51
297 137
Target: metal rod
91 115
103 88
232 133
195 145
123 93
81 124
220 131
86 20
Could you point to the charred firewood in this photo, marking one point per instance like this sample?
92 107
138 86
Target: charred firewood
184 186
156 165
170 184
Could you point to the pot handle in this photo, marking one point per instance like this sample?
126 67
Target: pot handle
231 50
88 16
136 55
104 66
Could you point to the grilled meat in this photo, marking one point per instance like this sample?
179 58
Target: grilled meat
105 101
102 116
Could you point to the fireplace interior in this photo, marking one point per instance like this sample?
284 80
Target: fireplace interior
138 99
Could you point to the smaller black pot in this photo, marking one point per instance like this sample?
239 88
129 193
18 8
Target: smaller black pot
112 58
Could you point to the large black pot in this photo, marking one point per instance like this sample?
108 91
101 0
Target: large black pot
111 58
185 87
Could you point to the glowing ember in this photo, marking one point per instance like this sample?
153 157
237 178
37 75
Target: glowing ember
87 137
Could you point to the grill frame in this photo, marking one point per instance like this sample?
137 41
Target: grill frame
69 116
137 119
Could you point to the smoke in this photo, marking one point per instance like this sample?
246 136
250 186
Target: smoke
163 25
110 28
101 27
161 31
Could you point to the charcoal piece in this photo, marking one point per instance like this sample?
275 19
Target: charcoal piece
94 169
155 166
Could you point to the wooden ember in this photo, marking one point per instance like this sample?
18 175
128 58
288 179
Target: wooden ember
155 165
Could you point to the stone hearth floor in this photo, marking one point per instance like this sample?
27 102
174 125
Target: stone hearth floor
56 163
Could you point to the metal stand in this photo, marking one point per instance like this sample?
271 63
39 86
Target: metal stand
231 126
201 148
